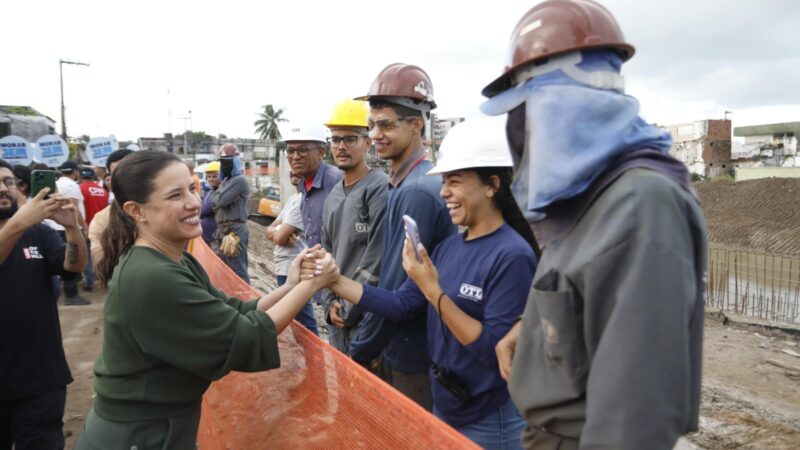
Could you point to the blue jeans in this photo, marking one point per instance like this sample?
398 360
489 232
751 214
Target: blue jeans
499 430
89 272
306 316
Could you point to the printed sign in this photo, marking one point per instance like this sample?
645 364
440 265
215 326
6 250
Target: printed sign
16 150
51 150
98 149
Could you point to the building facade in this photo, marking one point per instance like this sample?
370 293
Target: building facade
704 146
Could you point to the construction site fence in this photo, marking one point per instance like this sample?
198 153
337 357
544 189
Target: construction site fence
754 283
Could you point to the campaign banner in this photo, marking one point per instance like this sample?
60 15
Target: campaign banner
98 149
51 150
16 150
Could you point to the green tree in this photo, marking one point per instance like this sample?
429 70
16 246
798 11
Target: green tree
267 127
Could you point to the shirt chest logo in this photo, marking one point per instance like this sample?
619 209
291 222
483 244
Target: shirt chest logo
470 292
362 227
32 253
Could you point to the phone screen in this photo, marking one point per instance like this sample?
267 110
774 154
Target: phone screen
41 179
413 233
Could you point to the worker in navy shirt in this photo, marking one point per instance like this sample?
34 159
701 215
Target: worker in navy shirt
474 287
400 101
33 369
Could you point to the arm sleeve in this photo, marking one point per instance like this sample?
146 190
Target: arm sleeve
640 295
178 321
227 193
506 295
404 304
423 207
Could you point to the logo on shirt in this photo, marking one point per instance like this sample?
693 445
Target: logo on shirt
32 253
95 191
470 292
362 227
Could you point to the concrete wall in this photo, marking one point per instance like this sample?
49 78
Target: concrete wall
757 173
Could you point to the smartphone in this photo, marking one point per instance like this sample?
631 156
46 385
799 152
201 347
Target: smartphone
41 179
413 233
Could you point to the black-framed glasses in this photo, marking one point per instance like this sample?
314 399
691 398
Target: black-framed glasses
302 151
10 183
388 124
349 141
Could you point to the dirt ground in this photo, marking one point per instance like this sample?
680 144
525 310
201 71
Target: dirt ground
747 403
757 214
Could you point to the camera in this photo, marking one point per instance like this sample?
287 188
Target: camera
452 382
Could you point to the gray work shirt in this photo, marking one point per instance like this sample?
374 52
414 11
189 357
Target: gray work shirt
230 200
352 231
609 353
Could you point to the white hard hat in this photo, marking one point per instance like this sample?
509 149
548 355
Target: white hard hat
475 143
309 133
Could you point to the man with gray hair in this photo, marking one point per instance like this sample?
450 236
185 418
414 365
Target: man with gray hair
230 211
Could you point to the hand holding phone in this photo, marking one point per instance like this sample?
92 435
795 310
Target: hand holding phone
41 179
413 234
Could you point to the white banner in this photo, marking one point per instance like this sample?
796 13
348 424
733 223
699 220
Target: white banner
98 149
16 150
51 150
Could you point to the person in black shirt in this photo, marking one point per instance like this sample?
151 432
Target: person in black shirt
33 368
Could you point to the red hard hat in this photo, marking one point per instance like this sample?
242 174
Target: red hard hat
402 81
555 27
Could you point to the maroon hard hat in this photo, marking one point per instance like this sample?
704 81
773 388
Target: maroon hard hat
555 27
403 81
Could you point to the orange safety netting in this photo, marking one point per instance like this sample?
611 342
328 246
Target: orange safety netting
319 398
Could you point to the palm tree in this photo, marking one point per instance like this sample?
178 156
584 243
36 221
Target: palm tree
267 127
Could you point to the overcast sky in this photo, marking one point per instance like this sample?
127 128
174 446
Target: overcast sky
153 61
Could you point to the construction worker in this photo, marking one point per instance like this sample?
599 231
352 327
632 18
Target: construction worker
285 231
230 211
400 100
207 220
608 351
352 220
473 286
304 150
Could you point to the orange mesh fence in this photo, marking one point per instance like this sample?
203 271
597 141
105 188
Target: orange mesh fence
319 398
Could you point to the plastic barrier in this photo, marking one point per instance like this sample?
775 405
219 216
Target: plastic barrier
319 398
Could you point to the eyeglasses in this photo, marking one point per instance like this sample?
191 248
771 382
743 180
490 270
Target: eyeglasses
349 141
388 124
302 151
10 183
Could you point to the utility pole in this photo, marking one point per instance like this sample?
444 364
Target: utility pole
61 63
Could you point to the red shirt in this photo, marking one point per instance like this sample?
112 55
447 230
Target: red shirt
95 198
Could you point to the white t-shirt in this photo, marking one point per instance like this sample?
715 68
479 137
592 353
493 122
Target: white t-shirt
71 189
289 215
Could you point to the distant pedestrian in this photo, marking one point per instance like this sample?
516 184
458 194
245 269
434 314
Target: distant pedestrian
285 232
230 203
95 199
67 184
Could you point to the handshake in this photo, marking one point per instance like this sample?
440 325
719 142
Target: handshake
315 265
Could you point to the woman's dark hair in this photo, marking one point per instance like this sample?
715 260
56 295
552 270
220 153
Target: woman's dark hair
504 201
134 180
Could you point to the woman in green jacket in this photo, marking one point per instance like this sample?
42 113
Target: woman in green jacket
168 331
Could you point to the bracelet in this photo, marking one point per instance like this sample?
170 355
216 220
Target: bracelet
439 303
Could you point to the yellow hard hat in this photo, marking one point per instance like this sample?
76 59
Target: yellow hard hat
213 166
349 113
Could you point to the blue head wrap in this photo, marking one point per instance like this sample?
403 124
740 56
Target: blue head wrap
573 129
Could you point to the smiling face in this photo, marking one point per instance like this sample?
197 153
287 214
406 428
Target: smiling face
392 134
468 199
304 157
172 212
